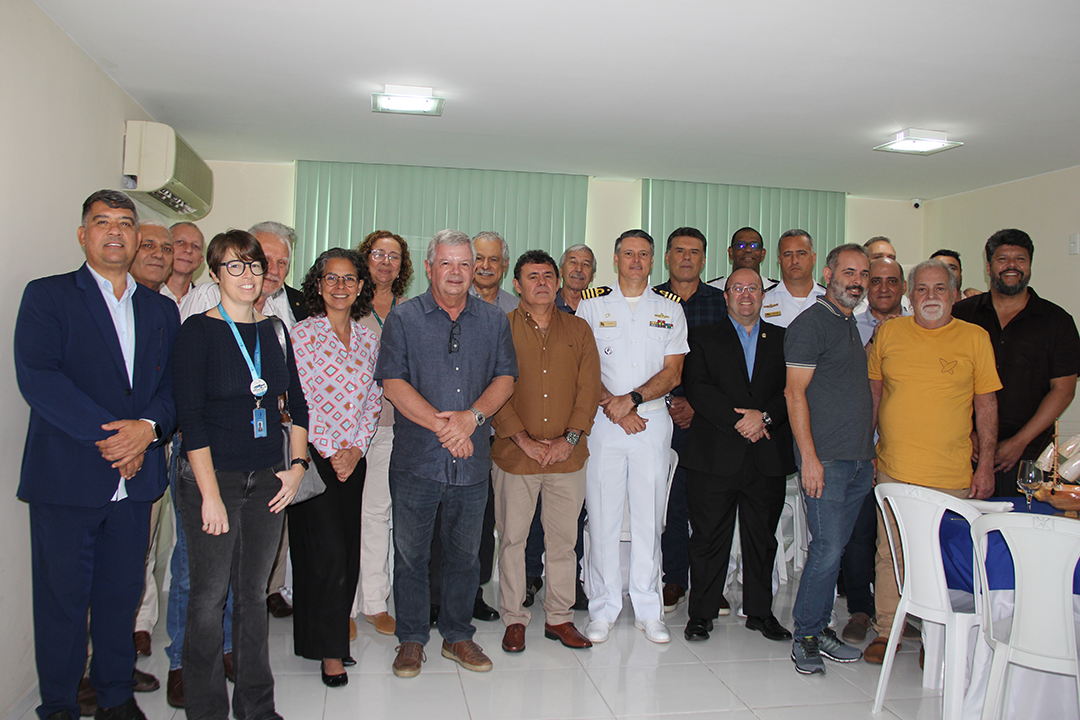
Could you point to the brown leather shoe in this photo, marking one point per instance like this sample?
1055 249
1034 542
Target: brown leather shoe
673 595
278 606
514 638
467 654
142 643
144 682
383 622
857 626
410 656
174 688
875 651
230 672
568 635
87 698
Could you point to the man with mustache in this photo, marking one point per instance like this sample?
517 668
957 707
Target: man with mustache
928 374
830 410
702 304
884 295
747 250
576 266
796 290
1037 350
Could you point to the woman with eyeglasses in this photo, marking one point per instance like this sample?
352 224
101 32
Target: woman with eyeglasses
388 263
335 358
229 369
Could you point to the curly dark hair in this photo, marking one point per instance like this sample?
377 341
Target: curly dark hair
401 283
313 298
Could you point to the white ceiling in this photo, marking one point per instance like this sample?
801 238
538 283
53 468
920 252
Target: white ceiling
781 93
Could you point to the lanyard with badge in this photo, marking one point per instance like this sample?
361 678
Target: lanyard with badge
258 385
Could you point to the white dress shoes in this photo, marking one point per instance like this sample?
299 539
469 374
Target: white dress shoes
655 630
598 630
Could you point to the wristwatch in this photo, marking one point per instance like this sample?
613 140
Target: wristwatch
480 418
572 437
635 397
300 461
765 418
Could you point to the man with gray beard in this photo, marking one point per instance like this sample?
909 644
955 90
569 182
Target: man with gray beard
831 414
1037 351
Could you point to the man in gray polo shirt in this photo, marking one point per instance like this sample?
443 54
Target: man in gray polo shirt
447 363
831 413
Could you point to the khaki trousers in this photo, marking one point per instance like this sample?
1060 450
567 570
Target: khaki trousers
515 504
886 593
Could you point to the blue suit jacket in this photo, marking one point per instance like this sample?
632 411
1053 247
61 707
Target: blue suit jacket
71 371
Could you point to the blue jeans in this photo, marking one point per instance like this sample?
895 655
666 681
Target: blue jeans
830 519
180 585
415 503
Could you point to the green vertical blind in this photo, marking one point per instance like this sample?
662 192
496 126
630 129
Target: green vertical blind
338 204
720 210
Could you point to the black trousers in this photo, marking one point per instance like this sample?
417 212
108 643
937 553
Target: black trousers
713 501
324 535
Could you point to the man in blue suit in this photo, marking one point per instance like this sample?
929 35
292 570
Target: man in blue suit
93 358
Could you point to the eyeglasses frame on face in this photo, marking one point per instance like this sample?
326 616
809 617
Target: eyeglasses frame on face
245 265
380 254
740 289
455 330
350 281
752 245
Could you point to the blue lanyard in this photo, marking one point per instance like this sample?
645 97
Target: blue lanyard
256 366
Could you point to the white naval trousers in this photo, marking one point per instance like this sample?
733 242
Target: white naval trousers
627 469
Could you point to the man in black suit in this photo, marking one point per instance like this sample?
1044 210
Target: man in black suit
737 456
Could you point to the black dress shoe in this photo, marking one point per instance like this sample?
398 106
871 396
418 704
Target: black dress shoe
278 606
482 611
144 682
532 586
434 617
60 715
348 661
581 600
698 629
768 626
334 680
128 710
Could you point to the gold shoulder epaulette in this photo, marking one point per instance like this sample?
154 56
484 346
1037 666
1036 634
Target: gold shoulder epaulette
595 292
668 294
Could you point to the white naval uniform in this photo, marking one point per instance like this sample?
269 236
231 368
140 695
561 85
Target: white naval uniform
780 307
629 468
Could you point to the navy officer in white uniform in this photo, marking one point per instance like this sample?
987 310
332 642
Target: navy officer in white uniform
641 337
796 290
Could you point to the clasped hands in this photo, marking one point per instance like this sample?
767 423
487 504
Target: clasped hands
620 410
752 425
454 428
126 449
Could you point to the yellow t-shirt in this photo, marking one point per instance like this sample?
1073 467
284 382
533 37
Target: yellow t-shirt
930 378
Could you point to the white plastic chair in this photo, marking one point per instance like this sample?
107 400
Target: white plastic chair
923 592
1041 634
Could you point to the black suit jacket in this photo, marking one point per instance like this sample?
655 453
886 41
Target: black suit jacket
296 302
716 382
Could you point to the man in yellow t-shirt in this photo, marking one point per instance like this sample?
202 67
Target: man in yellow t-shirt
928 373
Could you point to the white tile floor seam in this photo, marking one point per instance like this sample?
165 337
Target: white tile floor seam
735 675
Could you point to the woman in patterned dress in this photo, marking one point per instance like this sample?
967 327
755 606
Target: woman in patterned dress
335 359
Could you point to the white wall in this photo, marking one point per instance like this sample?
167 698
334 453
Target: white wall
614 206
62 124
896 220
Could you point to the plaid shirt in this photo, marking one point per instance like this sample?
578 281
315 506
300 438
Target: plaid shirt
706 306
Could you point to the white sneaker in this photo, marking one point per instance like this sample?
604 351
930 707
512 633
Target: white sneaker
655 630
598 630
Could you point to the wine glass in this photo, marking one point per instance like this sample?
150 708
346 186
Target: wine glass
1028 479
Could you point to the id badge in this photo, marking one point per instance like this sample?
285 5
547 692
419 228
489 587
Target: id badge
258 419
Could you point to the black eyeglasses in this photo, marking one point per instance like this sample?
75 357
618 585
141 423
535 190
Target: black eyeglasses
747 246
236 267
455 330
332 279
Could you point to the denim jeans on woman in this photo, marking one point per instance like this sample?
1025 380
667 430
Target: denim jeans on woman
830 520
243 557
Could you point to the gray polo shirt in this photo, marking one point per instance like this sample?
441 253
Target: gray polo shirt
416 348
827 341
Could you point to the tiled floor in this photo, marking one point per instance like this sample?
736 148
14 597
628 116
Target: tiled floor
735 675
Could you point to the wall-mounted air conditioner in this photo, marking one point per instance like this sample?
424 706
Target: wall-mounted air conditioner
163 171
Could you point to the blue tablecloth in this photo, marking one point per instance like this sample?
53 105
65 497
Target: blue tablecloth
957 553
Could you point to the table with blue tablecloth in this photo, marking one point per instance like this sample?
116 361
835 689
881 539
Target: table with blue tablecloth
1032 694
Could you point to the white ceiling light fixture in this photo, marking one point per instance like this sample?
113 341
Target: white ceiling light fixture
407 100
913 141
